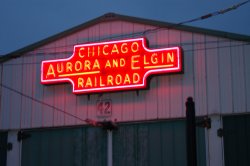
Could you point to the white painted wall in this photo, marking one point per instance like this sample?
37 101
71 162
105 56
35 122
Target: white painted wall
216 74
14 155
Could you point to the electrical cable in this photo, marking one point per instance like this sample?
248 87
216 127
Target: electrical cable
41 102
185 50
206 16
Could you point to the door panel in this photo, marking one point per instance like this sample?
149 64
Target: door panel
65 147
159 143
3 148
140 144
236 135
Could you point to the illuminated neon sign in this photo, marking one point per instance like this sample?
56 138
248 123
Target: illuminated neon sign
111 66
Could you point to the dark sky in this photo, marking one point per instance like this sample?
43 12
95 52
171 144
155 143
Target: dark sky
23 22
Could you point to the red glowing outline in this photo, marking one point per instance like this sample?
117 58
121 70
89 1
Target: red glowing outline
113 88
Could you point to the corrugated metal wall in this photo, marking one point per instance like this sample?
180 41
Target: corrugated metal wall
216 74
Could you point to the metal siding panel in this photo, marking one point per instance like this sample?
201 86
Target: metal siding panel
48 97
225 76
16 98
214 143
94 33
188 62
151 98
58 116
127 97
37 89
5 105
13 156
128 105
82 36
1 94
247 75
59 90
47 49
239 97
82 100
127 28
6 97
140 106
138 28
26 113
82 108
212 65
1 70
67 44
200 75
163 86
116 106
105 31
116 28
92 106
70 105
163 97
139 102
175 82
69 97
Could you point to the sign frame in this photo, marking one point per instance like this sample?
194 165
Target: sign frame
153 70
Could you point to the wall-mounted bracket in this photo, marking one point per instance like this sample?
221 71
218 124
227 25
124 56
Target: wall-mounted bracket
204 122
22 135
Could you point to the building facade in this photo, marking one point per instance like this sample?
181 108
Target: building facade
49 125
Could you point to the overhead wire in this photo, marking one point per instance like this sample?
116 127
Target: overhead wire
41 102
203 17
185 44
222 11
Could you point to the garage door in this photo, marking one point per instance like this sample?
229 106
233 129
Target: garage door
3 148
65 147
236 134
155 144
140 144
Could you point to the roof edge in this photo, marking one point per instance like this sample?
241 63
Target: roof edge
113 17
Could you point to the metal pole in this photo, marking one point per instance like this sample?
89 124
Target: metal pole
109 148
191 132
